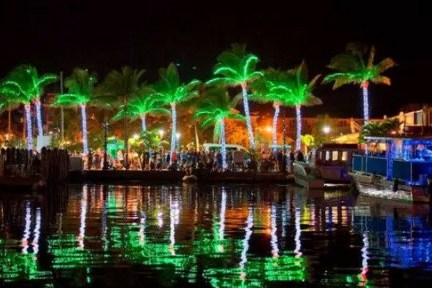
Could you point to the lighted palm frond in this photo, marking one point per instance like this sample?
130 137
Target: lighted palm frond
171 90
235 67
80 87
144 103
216 106
8 98
27 83
275 86
301 88
355 66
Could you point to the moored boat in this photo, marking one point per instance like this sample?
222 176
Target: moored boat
395 168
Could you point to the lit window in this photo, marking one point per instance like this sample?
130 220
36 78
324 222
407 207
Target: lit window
335 155
344 155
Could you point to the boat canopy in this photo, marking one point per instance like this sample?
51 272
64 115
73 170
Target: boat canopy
405 159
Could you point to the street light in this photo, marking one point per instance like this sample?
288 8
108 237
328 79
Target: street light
177 140
326 129
161 133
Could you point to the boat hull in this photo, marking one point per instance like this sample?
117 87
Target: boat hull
377 186
307 180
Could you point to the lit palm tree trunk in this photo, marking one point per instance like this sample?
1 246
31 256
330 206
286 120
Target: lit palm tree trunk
276 106
223 144
29 127
9 122
126 135
364 86
39 116
196 137
248 118
173 130
143 123
84 128
298 126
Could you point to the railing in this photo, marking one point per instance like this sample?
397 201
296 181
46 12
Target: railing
370 164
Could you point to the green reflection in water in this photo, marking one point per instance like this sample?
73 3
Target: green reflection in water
19 266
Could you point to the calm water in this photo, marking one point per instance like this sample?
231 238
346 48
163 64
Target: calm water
212 236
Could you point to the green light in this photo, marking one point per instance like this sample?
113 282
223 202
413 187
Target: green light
355 67
213 110
171 90
145 102
236 67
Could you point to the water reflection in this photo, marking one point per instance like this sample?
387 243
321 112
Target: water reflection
220 236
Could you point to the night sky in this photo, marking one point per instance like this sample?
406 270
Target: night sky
60 35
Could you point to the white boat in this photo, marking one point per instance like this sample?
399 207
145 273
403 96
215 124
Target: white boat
307 176
329 166
394 169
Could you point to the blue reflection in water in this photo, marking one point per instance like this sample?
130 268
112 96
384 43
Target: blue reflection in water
404 242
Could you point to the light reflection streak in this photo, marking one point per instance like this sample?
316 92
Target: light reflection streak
27 225
364 253
159 216
222 214
297 235
36 231
248 230
173 217
83 218
274 238
141 232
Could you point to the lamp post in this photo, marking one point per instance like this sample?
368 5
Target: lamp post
105 139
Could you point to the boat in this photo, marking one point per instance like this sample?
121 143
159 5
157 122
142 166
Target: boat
394 168
333 161
189 178
329 166
307 176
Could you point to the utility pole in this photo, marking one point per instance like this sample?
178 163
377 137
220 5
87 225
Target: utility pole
61 112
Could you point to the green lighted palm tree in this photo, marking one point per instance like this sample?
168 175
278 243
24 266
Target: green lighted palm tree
119 87
354 68
301 94
171 90
143 104
236 67
80 91
274 87
215 108
30 85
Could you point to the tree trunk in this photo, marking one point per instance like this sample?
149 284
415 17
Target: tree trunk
84 128
39 116
364 86
173 131
126 135
299 127
143 123
28 124
276 106
223 146
248 118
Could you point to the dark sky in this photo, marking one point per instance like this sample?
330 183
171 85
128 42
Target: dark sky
59 35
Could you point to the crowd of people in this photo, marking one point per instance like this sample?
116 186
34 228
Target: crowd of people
264 161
